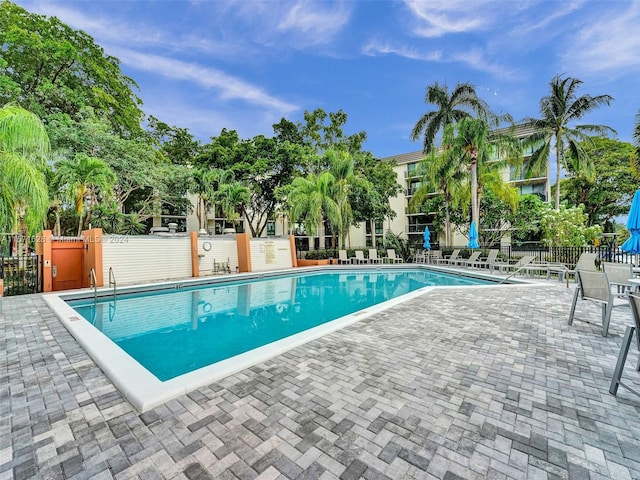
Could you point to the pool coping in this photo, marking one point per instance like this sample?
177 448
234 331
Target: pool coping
144 391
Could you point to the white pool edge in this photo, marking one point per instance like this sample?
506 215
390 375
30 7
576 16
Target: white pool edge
144 391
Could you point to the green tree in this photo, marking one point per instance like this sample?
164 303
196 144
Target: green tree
375 184
146 179
50 68
462 102
231 195
526 222
264 165
177 144
204 187
558 111
84 181
635 164
320 135
608 193
485 153
341 168
24 144
567 227
441 173
309 200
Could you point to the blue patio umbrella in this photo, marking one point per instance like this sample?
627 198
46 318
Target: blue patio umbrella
632 245
473 236
427 237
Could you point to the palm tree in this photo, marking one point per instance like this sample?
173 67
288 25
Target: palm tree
341 166
636 138
560 108
440 172
24 144
204 181
230 195
82 180
310 201
451 108
472 141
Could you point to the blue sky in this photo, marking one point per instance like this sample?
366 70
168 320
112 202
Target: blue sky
244 65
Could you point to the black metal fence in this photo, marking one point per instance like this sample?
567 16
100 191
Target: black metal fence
566 255
21 274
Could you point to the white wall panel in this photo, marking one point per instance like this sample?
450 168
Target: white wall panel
270 254
219 248
136 259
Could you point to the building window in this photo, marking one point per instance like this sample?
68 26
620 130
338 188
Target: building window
271 227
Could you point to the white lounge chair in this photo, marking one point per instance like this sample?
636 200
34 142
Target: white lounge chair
515 267
467 262
391 256
489 262
359 258
451 259
342 257
373 256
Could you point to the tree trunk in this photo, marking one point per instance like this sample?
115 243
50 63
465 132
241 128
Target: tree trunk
559 162
474 187
447 224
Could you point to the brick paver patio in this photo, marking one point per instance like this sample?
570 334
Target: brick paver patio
459 383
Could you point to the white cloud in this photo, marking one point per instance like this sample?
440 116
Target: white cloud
375 47
440 17
478 60
106 29
314 23
608 45
227 86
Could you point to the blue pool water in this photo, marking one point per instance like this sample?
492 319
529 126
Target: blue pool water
172 332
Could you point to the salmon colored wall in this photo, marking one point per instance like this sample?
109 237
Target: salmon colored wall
92 256
294 257
244 252
195 266
43 247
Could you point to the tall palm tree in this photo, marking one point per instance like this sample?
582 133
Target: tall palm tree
472 141
636 141
82 180
341 166
440 172
204 186
558 110
310 201
462 102
24 144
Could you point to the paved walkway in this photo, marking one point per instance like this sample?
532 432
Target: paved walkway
463 383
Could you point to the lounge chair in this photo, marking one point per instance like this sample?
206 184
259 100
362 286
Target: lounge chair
594 286
467 262
434 256
515 267
342 257
391 256
359 258
489 262
373 256
451 259
420 257
634 303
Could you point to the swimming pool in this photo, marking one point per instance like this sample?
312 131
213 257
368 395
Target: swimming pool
157 342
